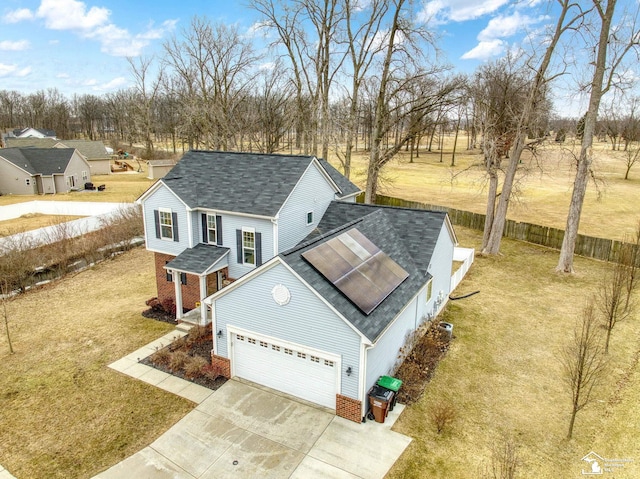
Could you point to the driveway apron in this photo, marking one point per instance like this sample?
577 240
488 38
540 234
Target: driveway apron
246 431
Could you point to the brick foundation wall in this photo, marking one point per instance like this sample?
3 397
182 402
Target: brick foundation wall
166 289
190 292
222 366
348 408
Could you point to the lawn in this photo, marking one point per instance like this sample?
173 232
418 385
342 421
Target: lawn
503 376
64 412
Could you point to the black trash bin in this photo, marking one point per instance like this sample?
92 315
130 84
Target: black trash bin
380 400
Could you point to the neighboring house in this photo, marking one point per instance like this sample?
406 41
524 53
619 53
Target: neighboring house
217 216
30 171
93 151
34 133
13 142
325 319
159 168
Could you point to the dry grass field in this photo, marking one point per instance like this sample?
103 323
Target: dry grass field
64 412
503 376
544 189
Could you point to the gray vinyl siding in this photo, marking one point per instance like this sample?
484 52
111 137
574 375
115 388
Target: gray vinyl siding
312 193
382 358
76 166
13 180
231 223
164 198
306 320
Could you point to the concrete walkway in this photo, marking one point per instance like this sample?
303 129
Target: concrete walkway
245 430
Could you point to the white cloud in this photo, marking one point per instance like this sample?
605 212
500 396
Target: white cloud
111 85
16 46
19 15
440 11
505 26
63 75
484 50
71 15
12 70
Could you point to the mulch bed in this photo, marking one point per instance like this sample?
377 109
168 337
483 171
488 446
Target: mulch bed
188 358
420 364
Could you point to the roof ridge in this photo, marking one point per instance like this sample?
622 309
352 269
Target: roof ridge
284 155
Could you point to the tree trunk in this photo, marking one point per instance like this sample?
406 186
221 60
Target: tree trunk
565 263
491 204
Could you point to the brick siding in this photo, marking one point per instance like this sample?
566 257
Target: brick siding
348 408
222 366
166 289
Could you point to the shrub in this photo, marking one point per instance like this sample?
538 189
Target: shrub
178 360
193 366
161 357
199 333
442 415
210 372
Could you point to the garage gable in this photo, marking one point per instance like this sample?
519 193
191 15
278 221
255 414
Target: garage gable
276 304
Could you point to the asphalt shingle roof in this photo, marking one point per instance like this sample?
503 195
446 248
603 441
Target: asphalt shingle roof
91 150
31 141
43 161
407 236
197 259
249 183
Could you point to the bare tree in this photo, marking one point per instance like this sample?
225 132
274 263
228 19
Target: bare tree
4 291
534 105
583 361
148 89
505 460
630 156
616 43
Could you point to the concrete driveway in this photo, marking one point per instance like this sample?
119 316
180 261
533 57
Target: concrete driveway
246 431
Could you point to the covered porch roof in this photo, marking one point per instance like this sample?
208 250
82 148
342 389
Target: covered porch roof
200 260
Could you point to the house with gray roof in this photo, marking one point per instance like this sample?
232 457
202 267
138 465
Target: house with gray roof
217 216
326 318
37 171
93 151
307 291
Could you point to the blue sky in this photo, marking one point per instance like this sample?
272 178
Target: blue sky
80 46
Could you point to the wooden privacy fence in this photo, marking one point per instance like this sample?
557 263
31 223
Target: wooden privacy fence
588 246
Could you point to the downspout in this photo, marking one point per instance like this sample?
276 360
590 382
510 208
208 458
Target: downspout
274 222
363 378
203 292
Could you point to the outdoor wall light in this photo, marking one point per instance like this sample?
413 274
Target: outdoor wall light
219 333
349 371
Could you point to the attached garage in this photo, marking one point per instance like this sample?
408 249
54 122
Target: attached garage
306 373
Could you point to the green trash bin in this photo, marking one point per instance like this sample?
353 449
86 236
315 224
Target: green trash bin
392 384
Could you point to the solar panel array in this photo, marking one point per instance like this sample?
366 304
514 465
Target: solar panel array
358 268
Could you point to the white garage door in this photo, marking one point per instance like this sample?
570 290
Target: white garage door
294 370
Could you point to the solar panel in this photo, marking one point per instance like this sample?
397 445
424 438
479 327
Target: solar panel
358 268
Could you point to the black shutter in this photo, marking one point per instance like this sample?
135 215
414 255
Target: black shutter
174 222
183 278
205 229
239 245
169 274
258 249
156 218
219 230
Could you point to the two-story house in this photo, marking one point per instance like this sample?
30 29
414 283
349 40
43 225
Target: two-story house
218 215
321 292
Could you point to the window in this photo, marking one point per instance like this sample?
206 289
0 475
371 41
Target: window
166 224
211 229
85 175
302 355
251 340
27 181
275 348
240 337
309 218
264 344
183 278
315 359
429 289
288 351
328 363
248 247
